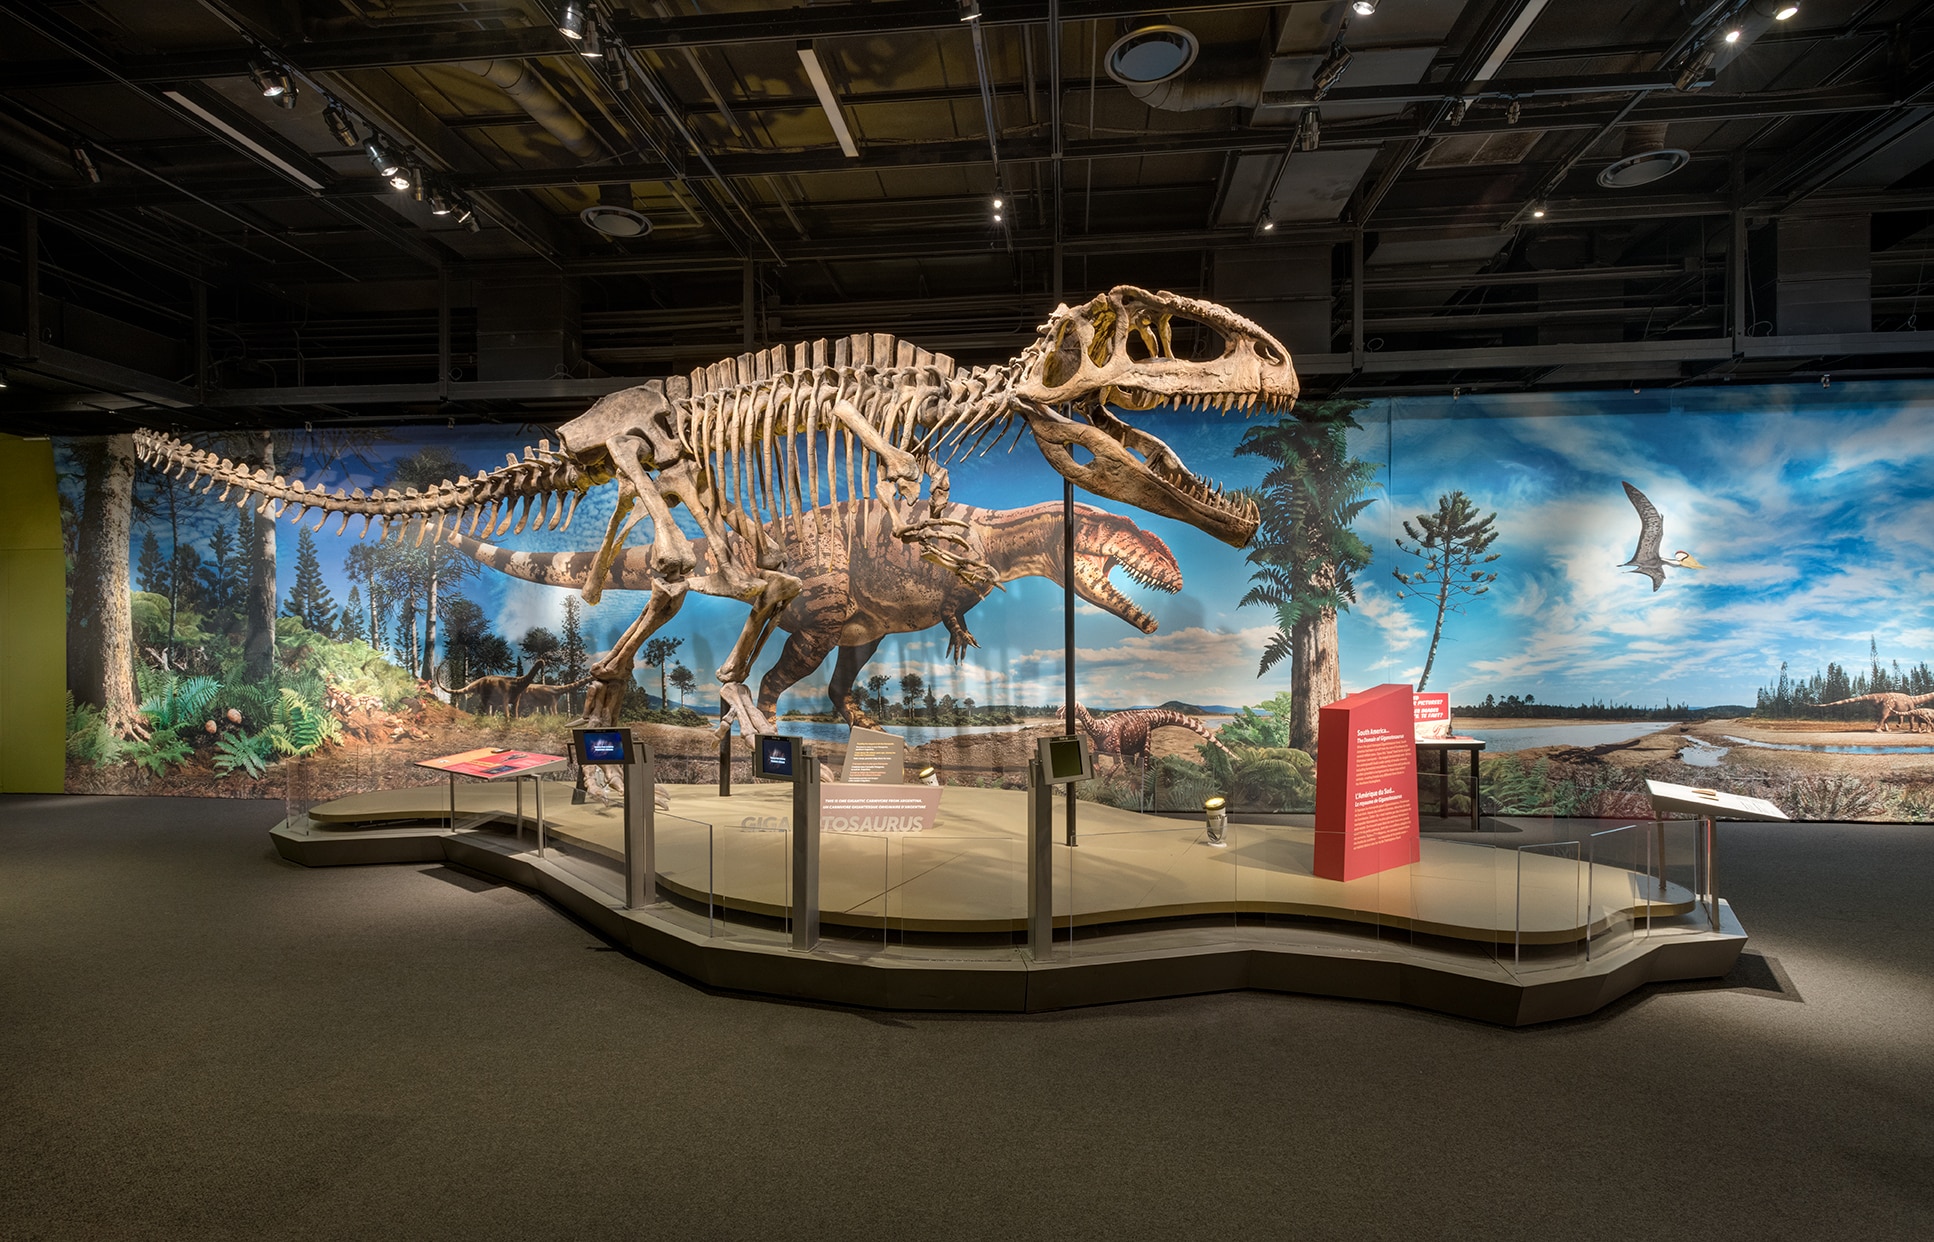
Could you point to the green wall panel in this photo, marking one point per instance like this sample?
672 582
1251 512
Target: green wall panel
33 621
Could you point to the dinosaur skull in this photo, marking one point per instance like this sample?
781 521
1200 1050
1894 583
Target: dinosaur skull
1108 540
1119 350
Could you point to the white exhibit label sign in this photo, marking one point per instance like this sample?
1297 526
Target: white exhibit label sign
874 758
877 808
1709 803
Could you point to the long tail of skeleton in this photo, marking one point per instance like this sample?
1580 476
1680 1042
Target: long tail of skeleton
541 482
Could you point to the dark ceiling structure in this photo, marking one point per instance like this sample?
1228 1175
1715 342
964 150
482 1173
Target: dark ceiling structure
224 213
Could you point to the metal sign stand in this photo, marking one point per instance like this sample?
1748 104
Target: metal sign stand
805 855
1040 864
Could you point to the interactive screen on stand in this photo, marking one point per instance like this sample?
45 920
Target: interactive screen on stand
1066 759
776 758
603 745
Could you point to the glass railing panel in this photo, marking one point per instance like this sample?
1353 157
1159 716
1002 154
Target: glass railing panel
1549 919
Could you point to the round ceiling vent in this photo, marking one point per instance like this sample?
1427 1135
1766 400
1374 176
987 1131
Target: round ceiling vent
615 221
1151 54
1643 168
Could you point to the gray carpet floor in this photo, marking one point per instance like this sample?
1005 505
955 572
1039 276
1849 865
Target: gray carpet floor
198 1040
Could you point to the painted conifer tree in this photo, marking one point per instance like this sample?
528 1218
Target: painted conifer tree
1305 552
1454 545
310 599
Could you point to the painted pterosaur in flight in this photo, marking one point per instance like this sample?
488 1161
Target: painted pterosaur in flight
1647 560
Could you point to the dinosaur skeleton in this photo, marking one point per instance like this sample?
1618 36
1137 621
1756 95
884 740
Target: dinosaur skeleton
754 437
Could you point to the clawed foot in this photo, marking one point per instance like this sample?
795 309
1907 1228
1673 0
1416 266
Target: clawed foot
958 640
740 705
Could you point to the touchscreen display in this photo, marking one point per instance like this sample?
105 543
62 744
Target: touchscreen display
775 758
605 746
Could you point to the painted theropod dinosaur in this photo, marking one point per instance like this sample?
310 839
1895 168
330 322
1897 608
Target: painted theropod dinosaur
1892 704
1125 734
859 583
751 439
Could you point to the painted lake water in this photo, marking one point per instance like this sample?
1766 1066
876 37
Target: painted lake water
1831 749
1566 735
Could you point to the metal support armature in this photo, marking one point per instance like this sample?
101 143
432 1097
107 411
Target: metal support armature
805 855
1040 863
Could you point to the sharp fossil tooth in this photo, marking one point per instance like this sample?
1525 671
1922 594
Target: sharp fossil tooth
570 512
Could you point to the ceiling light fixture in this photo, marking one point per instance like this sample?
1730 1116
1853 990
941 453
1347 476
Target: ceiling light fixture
1512 113
84 163
1363 8
1151 54
1537 211
379 158
439 202
828 101
997 217
416 187
268 78
998 203
1778 10
1330 70
969 10
3 377
1732 36
591 47
340 125
571 25
1693 76
1309 130
467 215
1268 226
399 179
620 76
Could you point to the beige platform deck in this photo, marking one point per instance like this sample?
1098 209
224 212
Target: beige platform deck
967 874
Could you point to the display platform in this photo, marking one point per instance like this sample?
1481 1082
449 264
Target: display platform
1143 907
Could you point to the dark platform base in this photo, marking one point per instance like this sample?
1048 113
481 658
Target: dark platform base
1123 967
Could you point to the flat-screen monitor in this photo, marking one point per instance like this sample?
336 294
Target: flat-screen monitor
603 745
775 758
1066 759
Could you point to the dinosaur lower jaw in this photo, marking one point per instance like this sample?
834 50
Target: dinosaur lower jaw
1091 583
1237 512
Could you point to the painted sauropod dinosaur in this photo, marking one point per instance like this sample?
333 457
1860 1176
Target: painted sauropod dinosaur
1891 703
494 692
538 698
1125 734
753 438
859 583
1919 719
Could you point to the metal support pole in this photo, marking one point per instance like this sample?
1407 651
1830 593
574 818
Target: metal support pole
805 855
725 763
1067 621
641 826
1712 884
1040 864
443 333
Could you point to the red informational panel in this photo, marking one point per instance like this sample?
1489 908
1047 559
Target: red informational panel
1431 712
1366 784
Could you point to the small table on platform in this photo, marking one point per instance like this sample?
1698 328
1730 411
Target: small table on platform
490 764
1443 746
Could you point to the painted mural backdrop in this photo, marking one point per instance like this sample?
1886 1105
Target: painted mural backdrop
1719 587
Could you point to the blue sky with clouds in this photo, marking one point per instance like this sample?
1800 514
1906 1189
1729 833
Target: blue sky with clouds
1812 508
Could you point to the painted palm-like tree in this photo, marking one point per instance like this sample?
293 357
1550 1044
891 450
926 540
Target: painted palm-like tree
1454 544
1305 552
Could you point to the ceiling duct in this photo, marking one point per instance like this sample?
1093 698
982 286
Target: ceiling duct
1646 158
536 98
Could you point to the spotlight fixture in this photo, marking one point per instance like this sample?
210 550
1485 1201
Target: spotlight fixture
84 163
268 78
591 47
969 10
1363 8
1691 78
1826 381
571 25
439 201
3 377
468 219
1537 211
1459 110
1309 130
998 204
1732 36
340 125
1512 113
1268 226
399 178
416 187
928 775
997 217
1778 10
1330 70
620 76
379 158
